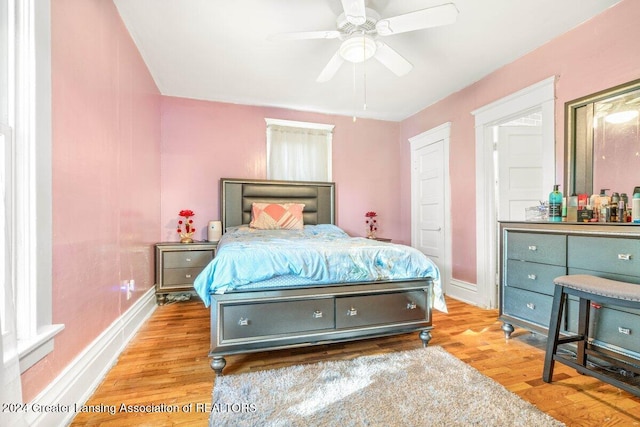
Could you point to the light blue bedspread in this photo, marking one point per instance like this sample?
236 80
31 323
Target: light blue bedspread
318 254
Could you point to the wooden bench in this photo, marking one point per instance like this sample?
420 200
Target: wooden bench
587 288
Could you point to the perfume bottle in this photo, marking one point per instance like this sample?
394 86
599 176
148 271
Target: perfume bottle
555 205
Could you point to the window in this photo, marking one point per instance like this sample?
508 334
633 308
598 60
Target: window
25 131
298 151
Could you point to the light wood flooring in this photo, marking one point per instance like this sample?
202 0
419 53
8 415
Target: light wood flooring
167 364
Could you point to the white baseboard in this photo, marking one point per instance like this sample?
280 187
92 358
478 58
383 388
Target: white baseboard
81 377
464 291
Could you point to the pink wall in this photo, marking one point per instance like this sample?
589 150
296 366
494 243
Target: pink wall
126 160
594 56
106 177
205 141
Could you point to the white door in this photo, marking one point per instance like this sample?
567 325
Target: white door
521 171
429 198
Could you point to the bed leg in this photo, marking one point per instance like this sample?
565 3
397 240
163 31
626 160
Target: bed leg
217 364
425 336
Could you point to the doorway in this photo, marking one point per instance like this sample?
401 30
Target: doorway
540 98
430 200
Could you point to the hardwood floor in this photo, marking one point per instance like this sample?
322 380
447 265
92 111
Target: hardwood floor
166 365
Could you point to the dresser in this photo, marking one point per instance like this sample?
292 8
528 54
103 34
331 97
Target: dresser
532 254
178 264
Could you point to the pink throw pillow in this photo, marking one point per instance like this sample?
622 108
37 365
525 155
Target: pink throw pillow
274 216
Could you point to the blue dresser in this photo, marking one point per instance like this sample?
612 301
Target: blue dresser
532 254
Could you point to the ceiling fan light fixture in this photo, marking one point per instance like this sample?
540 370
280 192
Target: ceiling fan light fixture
358 48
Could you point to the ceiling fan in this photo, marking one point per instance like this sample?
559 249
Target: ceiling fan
359 28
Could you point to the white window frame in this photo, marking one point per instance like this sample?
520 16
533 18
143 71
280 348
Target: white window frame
29 115
302 125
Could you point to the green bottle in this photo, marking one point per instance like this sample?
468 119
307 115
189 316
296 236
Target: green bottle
555 205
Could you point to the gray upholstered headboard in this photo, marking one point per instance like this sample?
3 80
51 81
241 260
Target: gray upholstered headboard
237 195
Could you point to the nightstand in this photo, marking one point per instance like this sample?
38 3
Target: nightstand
178 264
380 239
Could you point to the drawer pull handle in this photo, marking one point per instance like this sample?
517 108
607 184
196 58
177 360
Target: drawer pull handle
188 276
317 314
243 322
188 259
352 312
531 306
624 257
533 248
625 331
532 276
411 305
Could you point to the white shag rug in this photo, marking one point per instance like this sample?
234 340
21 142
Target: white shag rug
422 387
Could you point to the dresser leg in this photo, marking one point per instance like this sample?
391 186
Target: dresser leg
217 364
508 330
425 336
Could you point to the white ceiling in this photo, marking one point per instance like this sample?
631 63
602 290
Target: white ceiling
218 50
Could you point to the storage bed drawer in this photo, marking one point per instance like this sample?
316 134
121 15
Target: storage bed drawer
372 310
276 318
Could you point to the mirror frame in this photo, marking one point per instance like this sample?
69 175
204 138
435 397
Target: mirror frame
576 176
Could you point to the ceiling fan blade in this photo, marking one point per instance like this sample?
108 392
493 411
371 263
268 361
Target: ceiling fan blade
426 18
354 11
305 35
392 59
331 68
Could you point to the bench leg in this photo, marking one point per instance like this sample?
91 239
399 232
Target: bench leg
554 332
583 330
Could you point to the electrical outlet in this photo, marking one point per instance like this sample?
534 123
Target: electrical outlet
129 286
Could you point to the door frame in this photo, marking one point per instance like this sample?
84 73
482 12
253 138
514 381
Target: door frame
537 96
432 136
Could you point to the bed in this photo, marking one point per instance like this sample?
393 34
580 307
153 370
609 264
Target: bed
258 304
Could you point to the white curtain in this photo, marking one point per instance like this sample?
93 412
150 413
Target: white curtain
298 154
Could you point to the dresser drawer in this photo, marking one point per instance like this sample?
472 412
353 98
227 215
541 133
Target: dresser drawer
618 328
378 309
179 276
537 247
606 254
609 325
179 259
526 305
275 318
533 276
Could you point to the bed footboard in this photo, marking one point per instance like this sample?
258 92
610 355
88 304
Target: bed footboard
243 322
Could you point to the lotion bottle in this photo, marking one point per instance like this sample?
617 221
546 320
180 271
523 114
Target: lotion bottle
555 205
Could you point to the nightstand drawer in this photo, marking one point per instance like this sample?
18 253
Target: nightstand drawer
178 259
179 276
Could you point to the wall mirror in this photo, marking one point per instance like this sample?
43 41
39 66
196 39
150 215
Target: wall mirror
603 141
